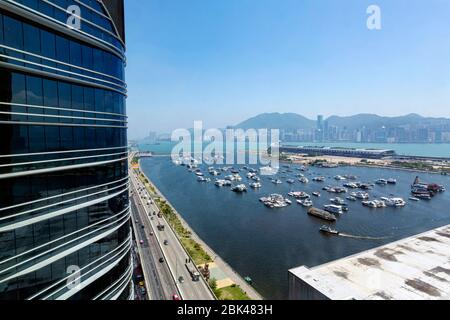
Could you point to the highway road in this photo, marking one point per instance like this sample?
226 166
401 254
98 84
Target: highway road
174 255
159 282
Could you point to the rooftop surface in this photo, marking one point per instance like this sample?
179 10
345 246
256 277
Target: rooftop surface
416 268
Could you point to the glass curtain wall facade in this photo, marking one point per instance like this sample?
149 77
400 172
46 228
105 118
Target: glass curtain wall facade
64 203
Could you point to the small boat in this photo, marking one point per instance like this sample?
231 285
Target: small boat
203 179
290 181
394 202
255 185
392 181
328 230
299 195
223 183
250 175
338 201
277 181
248 280
351 198
337 190
351 185
305 203
374 204
414 199
381 182
316 194
334 209
423 196
275 201
239 188
303 180
360 195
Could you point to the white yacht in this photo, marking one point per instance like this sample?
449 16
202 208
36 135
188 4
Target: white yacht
303 180
275 201
239 188
381 182
338 201
250 175
374 204
299 195
305 203
223 183
394 202
360 195
256 185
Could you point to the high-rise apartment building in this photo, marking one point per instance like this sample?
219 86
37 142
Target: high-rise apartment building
64 203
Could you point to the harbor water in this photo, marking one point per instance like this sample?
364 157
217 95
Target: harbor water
265 243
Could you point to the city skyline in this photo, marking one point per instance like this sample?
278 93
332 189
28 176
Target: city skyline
240 60
362 128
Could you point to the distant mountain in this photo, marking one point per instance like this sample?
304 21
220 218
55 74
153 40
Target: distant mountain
277 121
289 121
373 121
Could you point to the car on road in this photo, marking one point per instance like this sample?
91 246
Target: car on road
166 242
143 227
141 242
152 234
181 279
161 260
176 297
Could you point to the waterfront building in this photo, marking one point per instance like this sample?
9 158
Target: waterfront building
340 152
416 268
64 204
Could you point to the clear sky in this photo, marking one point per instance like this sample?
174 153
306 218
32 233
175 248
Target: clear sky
223 61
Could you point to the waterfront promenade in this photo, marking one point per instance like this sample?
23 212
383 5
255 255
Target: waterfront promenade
221 271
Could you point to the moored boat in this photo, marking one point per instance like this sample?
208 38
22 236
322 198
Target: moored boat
328 230
322 214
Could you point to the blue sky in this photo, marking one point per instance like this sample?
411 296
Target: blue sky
222 61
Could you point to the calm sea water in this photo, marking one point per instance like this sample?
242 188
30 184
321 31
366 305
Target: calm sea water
409 149
265 243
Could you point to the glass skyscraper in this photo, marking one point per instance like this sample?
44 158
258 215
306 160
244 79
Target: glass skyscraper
64 203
